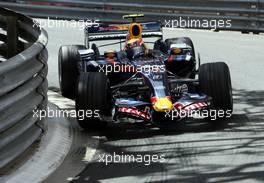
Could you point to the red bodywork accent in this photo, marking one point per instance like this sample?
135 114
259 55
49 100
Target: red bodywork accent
180 106
134 112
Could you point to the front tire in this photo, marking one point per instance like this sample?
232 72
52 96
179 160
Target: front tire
68 71
215 81
94 96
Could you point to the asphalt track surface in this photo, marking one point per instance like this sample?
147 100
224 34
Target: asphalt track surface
195 151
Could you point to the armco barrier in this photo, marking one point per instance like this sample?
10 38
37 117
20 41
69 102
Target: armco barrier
23 84
246 15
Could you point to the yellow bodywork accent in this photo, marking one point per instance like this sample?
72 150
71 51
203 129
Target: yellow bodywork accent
163 105
130 29
176 51
133 16
132 40
122 27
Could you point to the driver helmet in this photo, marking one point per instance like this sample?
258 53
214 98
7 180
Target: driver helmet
134 47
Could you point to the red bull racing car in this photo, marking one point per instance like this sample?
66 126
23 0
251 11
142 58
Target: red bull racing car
161 84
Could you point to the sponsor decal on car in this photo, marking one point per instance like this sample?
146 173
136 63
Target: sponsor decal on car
181 89
189 106
135 112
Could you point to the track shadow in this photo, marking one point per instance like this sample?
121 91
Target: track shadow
184 157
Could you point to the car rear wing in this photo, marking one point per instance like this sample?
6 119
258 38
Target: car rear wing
119 31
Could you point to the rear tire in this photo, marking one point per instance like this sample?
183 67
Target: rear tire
185 40
68 71
184 69
94 96
215 81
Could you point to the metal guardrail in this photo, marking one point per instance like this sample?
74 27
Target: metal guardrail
246 15
23 84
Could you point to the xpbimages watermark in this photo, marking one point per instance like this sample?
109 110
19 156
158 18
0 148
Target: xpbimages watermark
212 114
146 159
59 23
197 23
117 68
51 113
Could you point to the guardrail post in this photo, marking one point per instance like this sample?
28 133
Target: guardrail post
12 36
255 24
258 27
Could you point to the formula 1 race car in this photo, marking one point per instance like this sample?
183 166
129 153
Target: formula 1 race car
158 85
